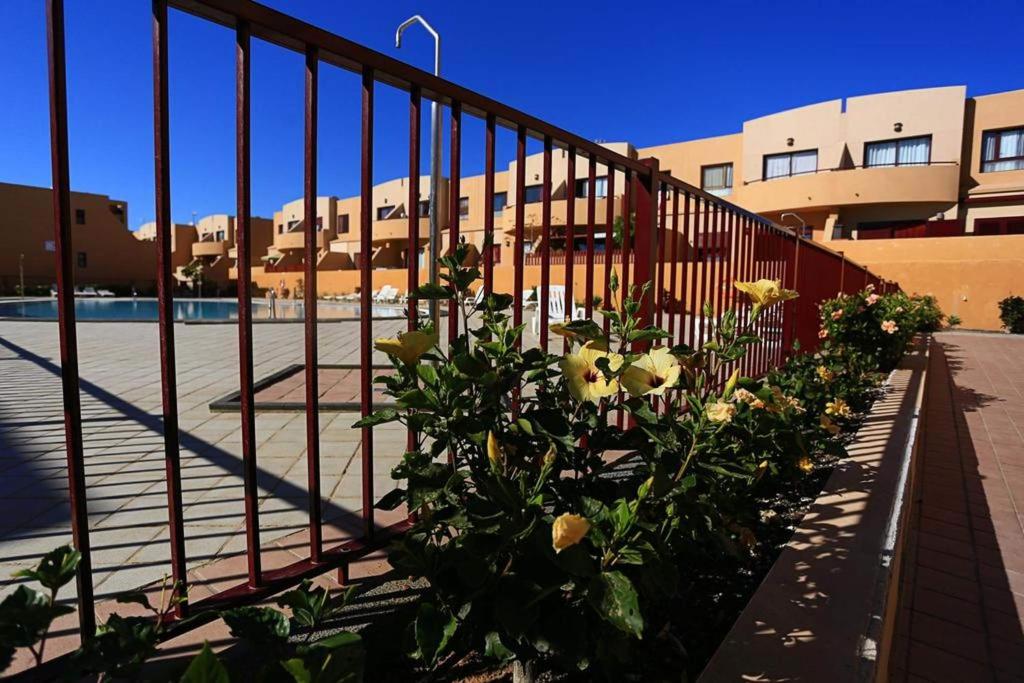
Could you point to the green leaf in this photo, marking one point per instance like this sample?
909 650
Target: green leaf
56 568
647 334
613 596
496 649
434 631
391 500
432 291
25 616
206 668
376 418
264 628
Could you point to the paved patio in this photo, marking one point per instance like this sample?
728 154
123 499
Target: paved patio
962 601
122 423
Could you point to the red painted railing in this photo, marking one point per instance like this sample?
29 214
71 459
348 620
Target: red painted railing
690 244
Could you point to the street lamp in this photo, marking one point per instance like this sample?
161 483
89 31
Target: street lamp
435 160
803 223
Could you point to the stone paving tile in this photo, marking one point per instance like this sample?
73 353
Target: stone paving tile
962 605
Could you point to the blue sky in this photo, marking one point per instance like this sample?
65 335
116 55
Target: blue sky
650 73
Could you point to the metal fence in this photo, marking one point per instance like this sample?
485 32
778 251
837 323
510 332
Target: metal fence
667 216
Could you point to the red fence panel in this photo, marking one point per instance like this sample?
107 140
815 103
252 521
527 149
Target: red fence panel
690 245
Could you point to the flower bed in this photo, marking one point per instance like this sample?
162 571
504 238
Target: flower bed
549 537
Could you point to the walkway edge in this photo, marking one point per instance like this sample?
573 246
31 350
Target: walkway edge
827 608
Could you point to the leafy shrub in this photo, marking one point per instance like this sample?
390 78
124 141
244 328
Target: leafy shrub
1011 313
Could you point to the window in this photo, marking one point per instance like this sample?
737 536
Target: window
716 179
280 228
293 224
343 223
790 163
903 152
463 208
500 202
532 194
600 185
1002 150
220 236
319 223
495 254
383 211
424 208
83 259
79 216
1010 225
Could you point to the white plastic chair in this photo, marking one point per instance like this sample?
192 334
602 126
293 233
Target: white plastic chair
556 308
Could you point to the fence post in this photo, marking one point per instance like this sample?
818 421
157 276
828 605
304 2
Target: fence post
842 272
792 308
646 239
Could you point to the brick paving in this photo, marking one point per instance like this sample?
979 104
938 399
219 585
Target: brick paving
962 599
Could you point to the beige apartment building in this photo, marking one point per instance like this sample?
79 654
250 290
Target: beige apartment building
105 253
925 187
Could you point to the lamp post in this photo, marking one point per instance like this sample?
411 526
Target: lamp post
803 223
435 161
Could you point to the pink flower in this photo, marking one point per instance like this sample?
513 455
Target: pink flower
837 314
889 327
823 333
873 299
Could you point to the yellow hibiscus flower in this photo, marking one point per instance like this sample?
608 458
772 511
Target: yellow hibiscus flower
652 373
743 396
495 454
764 293
824 374
408 346
805 464
585 380
828 425
568 530
837 408
720 411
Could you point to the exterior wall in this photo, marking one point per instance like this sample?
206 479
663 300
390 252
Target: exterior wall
182 238
968 274
113 257
684 160
816 126
938 112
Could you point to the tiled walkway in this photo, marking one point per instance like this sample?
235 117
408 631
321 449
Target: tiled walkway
962 603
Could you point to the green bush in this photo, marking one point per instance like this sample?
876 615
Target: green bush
547 534
1011 313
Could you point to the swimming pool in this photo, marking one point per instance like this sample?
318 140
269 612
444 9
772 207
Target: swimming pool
187 310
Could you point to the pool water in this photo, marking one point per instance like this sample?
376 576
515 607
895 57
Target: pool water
186 309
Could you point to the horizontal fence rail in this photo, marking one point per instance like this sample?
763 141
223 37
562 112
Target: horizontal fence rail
689 244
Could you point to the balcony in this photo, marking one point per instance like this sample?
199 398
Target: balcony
291 241
936 182
209 248
534 212
397 229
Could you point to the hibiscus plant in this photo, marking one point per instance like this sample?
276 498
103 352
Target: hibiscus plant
554 496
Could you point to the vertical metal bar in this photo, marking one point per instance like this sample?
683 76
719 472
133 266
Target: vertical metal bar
627 231
545 247
413 250
454 203
310 317
659 291
715 294
489 205
842 271
517 255
609 243
673 269
694 311
705 271
646 236
165 303
570 238
794 311
684 269
243 75
591 218
63 247
366 285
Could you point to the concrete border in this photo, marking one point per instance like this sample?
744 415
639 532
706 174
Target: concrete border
827 608
230 403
